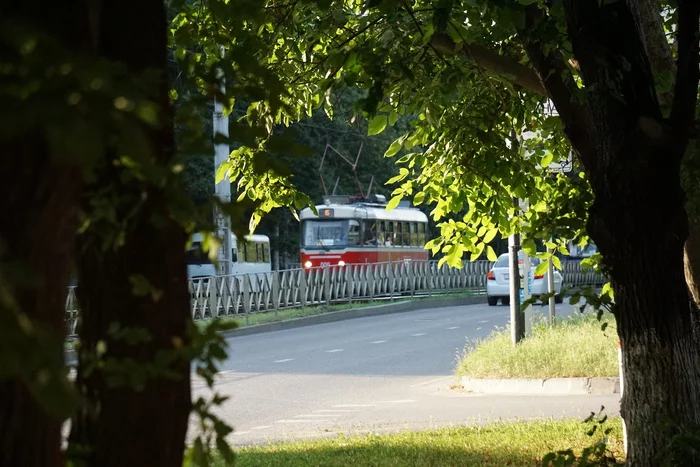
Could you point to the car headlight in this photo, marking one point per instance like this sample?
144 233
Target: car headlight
341 263
308 264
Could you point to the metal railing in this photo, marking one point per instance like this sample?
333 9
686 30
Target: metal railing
238 295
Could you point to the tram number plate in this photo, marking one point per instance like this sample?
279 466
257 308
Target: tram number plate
325 264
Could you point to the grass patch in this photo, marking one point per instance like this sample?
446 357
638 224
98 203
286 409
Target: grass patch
292 313
516 444
575 347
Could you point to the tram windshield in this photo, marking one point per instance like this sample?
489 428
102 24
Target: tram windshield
327 233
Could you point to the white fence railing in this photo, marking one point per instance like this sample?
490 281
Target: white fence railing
224 296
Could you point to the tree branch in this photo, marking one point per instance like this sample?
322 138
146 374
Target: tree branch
561 87
687 76
492 61
647 16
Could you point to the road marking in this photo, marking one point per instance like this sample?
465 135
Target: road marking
453 327
483 321
294 421
334 410
355 405
378 342
319 415
284 360
334 350
418 334
261 427
239 433
432 381
402 401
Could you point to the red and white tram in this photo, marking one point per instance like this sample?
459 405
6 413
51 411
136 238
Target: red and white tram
351 230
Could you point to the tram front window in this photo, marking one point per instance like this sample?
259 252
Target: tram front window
330 233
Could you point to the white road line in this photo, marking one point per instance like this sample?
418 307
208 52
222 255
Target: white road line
402 401
418 334
295 421
453 327
432 381
319 415
334 350
334 410
378 342
239 433
355 405
261 427
284 360
483 321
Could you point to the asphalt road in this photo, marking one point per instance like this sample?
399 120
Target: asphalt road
375 374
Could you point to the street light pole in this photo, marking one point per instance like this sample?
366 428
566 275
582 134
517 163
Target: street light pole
223 188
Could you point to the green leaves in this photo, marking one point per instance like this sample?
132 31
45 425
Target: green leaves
377 125
393 202
393 149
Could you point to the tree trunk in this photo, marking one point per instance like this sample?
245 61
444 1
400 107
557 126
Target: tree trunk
138 403
39 202
640 225
692 260
632 157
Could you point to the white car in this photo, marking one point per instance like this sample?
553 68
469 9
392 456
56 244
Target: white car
498 285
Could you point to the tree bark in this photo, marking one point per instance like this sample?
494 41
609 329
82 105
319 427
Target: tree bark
692 260
632 157
135 413
39 202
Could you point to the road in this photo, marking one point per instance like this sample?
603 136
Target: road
376 374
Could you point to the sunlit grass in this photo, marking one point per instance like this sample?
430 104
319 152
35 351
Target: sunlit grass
516 444
575 347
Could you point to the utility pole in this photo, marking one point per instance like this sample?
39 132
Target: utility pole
223 188
517 324
550 287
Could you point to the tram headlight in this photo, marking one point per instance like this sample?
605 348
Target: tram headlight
341 263
308 264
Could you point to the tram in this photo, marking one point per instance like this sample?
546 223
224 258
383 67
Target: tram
356 230
249 256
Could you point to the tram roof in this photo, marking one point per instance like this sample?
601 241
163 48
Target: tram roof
365 211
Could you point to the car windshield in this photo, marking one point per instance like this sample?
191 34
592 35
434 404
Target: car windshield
503 261
337 232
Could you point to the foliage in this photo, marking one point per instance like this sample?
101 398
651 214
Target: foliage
597 454
462 151
207 351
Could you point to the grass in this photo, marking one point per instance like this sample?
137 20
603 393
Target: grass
292 313
575 347
515 444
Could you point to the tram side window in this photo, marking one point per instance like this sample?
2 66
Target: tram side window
265 253
414 234
370 234
353 232
421 234
251 254
241 252
389 240
405 234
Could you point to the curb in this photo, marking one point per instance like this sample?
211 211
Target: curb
546 386
332 316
